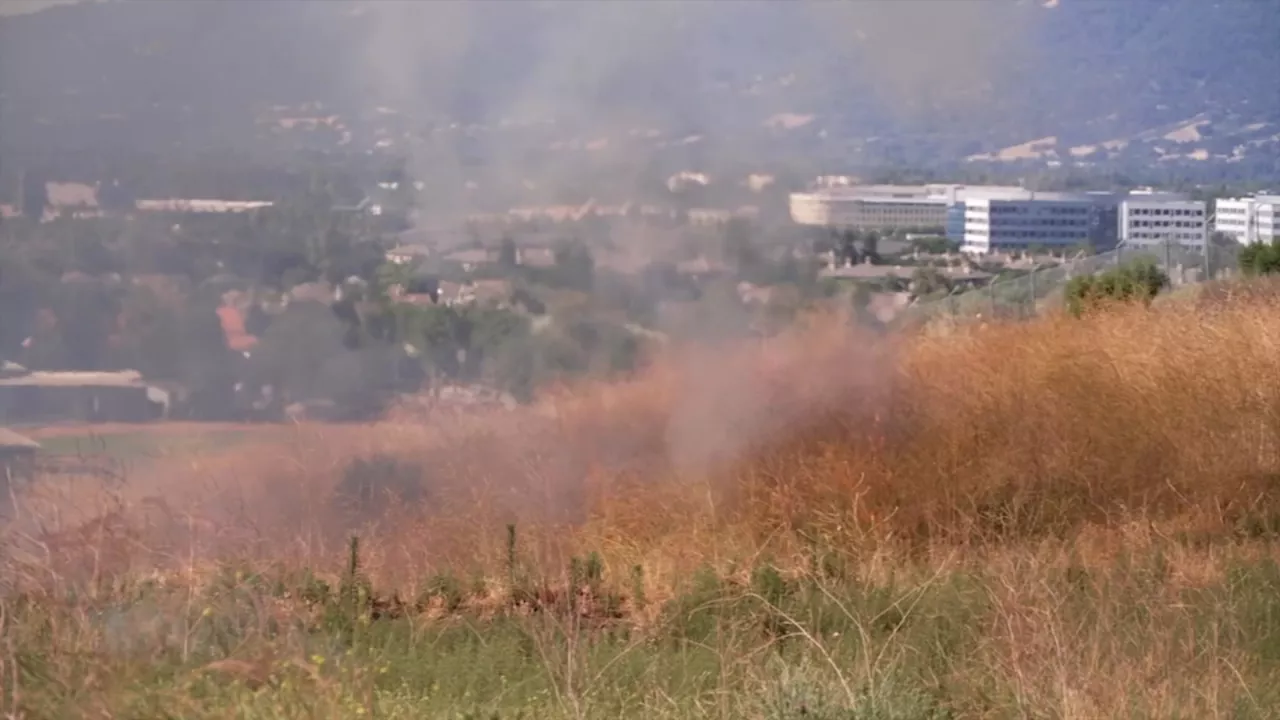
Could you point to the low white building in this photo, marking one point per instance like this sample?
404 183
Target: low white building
200 205
869 207
1154 219
888 207
405 254
1248 220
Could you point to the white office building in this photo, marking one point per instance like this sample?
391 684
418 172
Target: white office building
1248 220
1149 220
1059 221
889 207
988 218
869 207
1053 221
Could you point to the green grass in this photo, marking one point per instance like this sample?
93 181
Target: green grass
950 643
141 445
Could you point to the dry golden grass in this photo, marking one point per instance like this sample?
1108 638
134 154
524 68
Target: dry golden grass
1079 469
999 434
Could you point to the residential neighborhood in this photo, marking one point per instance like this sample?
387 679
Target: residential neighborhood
360 279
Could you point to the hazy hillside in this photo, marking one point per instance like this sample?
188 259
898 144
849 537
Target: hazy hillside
919 80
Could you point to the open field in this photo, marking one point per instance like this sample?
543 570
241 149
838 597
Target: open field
141 442
1061 519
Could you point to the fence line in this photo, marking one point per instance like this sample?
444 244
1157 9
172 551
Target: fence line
1028 294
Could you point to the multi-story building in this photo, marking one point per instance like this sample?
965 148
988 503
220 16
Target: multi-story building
1248 220
889 207
986 218
869 207
1057 221
955 223
1053 221
1150 219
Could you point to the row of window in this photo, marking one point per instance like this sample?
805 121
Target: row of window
1039 209
1171 212
1030 234
1167 223
1228 210
877 210
984 246
1049 222
1164 236
1033 222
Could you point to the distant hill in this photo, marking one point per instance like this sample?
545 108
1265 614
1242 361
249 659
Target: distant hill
910 82
23 7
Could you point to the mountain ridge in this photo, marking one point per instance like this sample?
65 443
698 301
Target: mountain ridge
952 79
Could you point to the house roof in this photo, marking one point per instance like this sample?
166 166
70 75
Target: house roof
487 290
319 291
481 255
421 299
232 321
10 440
410 250
201 205
72 194
449 289
39 378
537 256
699 265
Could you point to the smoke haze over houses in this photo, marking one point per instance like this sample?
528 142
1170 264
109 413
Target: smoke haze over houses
532 96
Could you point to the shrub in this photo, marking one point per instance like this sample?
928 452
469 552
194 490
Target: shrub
1136 281
1260 258
368 483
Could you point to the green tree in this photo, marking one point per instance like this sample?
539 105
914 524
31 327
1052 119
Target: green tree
928 281
440 335
117 196
86 312
739 246
34 195
575 266
387 276
23 289
1260 258
208 367
934 244
491 329
871 246
292 352
513 368
256 320
847 248
523 297
1137 281
507 254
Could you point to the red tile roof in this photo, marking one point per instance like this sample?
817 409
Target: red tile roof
233 328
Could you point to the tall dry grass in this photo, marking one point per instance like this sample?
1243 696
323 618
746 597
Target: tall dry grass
980 437
1063 518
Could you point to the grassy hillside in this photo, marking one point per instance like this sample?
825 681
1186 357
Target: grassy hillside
1069 519
941 77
